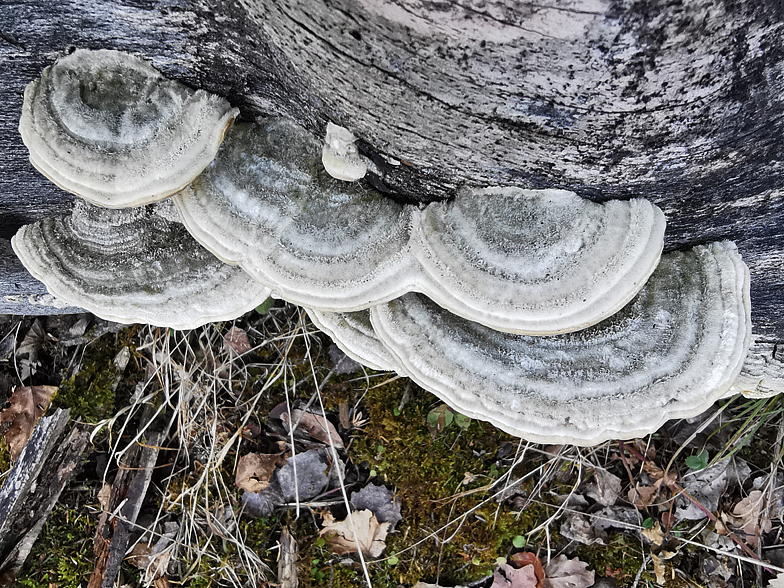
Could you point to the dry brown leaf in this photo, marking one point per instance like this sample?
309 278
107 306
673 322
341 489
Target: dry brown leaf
607 489
658 568
567 573
27 352
254 470
751 514
344 415
104 496
153 565
505 576
317 426
669 479
641 496
236 341
26 407
526 558
370 534
655 534
668 520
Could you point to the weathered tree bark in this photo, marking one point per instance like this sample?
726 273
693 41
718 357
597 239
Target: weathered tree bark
34 486
679 102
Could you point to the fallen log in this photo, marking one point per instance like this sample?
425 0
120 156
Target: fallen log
681 104
34 486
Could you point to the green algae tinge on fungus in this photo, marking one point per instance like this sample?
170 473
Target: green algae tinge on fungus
110 128
537 262
670 353
134 266
316 241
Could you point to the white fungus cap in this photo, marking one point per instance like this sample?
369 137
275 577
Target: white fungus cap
524 261
354 335
110 128
134 266
318 242
340 156
762 375
536 262
674 350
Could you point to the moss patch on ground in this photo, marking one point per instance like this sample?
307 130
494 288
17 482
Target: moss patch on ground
451 530
63 555
90 393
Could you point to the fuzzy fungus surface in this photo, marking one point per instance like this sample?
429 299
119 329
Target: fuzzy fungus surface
134 266
538 262
525 261
353 333
264 203
107 126
762 375
674 350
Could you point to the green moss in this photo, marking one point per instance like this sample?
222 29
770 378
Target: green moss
429 474
89 393
621 559
5 457
63 555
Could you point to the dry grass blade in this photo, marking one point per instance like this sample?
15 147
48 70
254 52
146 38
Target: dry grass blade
205 398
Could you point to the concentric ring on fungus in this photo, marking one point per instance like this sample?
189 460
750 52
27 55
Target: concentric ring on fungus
110 128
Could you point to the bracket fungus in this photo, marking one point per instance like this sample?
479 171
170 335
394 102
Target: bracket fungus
110 128
314 240
457 295
762 375
353 333
671 352
537 262
134 265
525 261
339 155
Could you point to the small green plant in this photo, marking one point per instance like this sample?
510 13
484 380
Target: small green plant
698 462
647 523
439 419
315 572
519 541
63 554
264 307
442 416
462 421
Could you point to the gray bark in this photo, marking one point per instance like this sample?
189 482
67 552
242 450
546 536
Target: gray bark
678 102
34 486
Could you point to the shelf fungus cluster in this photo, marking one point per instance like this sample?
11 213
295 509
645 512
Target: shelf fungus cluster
555 318
522 261
110 128
134 265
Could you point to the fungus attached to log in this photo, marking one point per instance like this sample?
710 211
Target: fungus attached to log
671 352
110 128
534 262
762 375
538 262
340 156
314 240
134 265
